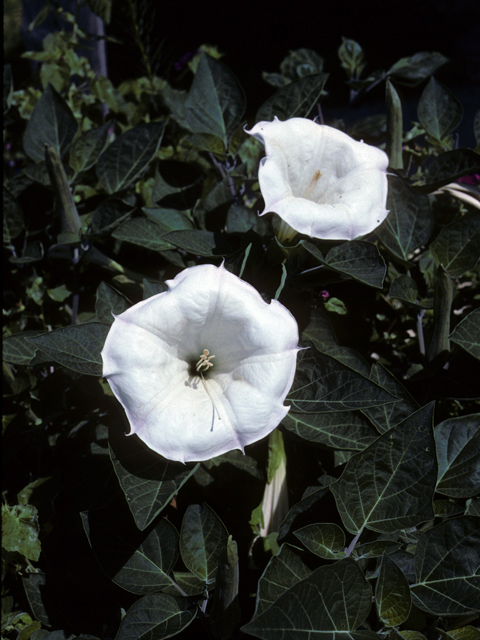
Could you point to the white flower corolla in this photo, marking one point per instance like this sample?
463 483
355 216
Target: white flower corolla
204 367
321 182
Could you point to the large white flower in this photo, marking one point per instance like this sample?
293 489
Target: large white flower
320 181
204 367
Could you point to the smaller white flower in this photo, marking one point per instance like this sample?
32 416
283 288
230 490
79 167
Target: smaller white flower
204 367
321 182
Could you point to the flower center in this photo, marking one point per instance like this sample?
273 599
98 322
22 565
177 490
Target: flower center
313 183
204 363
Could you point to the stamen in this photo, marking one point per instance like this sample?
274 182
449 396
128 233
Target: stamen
313 183
202 365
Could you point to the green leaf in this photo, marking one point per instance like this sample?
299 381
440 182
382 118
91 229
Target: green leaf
310 608
18 350
447 566
168 219
375 549
448 167
324 384
143 232
20 530
77 347
208 142
110 214
225 612
129 156
461 633
404 288
334 305
390 485
387 416
102 8
240 219
311 496
457 246
108 301
203 538
13 222
148 481
282 572
438 110
351 57
467 333
412 70
357 259
296 99
200 243
324 540
154 617
215 103
139 564
153 288
458 453
319 330
87 147
344 430
51 123
347 356
392 594
409 223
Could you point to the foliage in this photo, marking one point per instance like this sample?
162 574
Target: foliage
108 192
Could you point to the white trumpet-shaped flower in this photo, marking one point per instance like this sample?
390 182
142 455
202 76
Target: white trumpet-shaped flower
204 367
321 182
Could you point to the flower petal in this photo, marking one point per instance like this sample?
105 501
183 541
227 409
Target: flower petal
150 354
320 181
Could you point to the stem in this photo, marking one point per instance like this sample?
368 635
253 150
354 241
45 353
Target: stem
421 337
225 175
138 40
352 544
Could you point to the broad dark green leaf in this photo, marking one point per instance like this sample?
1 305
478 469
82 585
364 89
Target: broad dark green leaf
405 288
88 146
208 142
467 333
18 350
215 103
148 481
351 57
129 156
409 223
13 222
319 330
144 233
110 214
168 219
457 246
200 243
387 416
460 633
438 110
324 539
283 571
203 538
357 259
448 167
310 608
77 347
51 123
225 611
139 564
412 70
375 549
311 496
153 288
347 356
324 384
154 617
458 453
390 485
108 301
392 594
344 430
447 567
240 219
296 99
